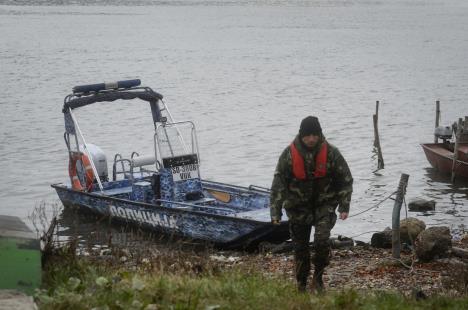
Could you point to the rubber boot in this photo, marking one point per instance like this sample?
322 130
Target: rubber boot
317 281
301 286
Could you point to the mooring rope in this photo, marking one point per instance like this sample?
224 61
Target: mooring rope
367 232
375 206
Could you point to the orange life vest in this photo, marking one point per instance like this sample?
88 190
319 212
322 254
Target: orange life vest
72 171
298 165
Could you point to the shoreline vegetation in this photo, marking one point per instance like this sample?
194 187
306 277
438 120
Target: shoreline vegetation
144 274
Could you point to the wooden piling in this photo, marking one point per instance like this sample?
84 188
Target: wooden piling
400 194
437 119
380 162
377 116
455 148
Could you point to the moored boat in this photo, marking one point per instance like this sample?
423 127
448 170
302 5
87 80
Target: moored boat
161 191
441 155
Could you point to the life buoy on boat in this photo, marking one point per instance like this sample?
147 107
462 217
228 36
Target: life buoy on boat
73 171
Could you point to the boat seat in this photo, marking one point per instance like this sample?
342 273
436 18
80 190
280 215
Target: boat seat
140 161
129 167
189 191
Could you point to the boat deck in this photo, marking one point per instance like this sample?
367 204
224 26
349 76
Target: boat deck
124 190
441 150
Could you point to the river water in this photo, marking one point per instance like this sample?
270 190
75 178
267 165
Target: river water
246 72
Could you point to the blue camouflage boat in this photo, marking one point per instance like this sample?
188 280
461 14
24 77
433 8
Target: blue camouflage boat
162 191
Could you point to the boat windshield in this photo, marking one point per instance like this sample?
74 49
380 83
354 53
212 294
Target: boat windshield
176 139
177 148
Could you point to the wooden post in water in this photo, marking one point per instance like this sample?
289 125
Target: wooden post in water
380 162
437 119
455 148
400 194
377 117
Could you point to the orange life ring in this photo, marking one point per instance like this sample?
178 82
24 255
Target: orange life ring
72 171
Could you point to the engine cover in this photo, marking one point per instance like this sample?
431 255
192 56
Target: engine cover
443 132
99 160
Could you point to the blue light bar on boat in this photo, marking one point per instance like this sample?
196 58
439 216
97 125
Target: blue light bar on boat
105 86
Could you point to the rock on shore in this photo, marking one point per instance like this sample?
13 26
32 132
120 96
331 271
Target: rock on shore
382 239
433 242
421 205
410 228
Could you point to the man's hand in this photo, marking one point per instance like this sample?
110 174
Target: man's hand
343 215
275 222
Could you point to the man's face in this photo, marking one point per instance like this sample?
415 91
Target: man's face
310 140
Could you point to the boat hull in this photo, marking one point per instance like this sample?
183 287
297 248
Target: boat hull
441 158
224 231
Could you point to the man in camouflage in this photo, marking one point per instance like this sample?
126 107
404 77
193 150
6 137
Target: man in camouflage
311 199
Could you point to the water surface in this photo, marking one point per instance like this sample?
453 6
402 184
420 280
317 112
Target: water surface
246 72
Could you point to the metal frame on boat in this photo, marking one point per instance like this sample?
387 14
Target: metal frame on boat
163 191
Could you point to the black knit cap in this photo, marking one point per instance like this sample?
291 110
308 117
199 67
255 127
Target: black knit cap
310 126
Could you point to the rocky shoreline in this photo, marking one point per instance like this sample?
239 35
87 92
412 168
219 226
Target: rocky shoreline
368 268
361 267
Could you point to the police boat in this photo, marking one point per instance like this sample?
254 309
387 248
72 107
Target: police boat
161 191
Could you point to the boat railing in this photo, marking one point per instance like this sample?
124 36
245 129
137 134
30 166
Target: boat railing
134 166
259 189
236 189
194 206
118 159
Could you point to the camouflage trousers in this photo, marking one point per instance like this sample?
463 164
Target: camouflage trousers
323 219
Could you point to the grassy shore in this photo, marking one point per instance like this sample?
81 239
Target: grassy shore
178 281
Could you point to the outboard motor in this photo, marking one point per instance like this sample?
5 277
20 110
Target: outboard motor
443 132
99 160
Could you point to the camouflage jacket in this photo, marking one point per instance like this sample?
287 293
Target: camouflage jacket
301 198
